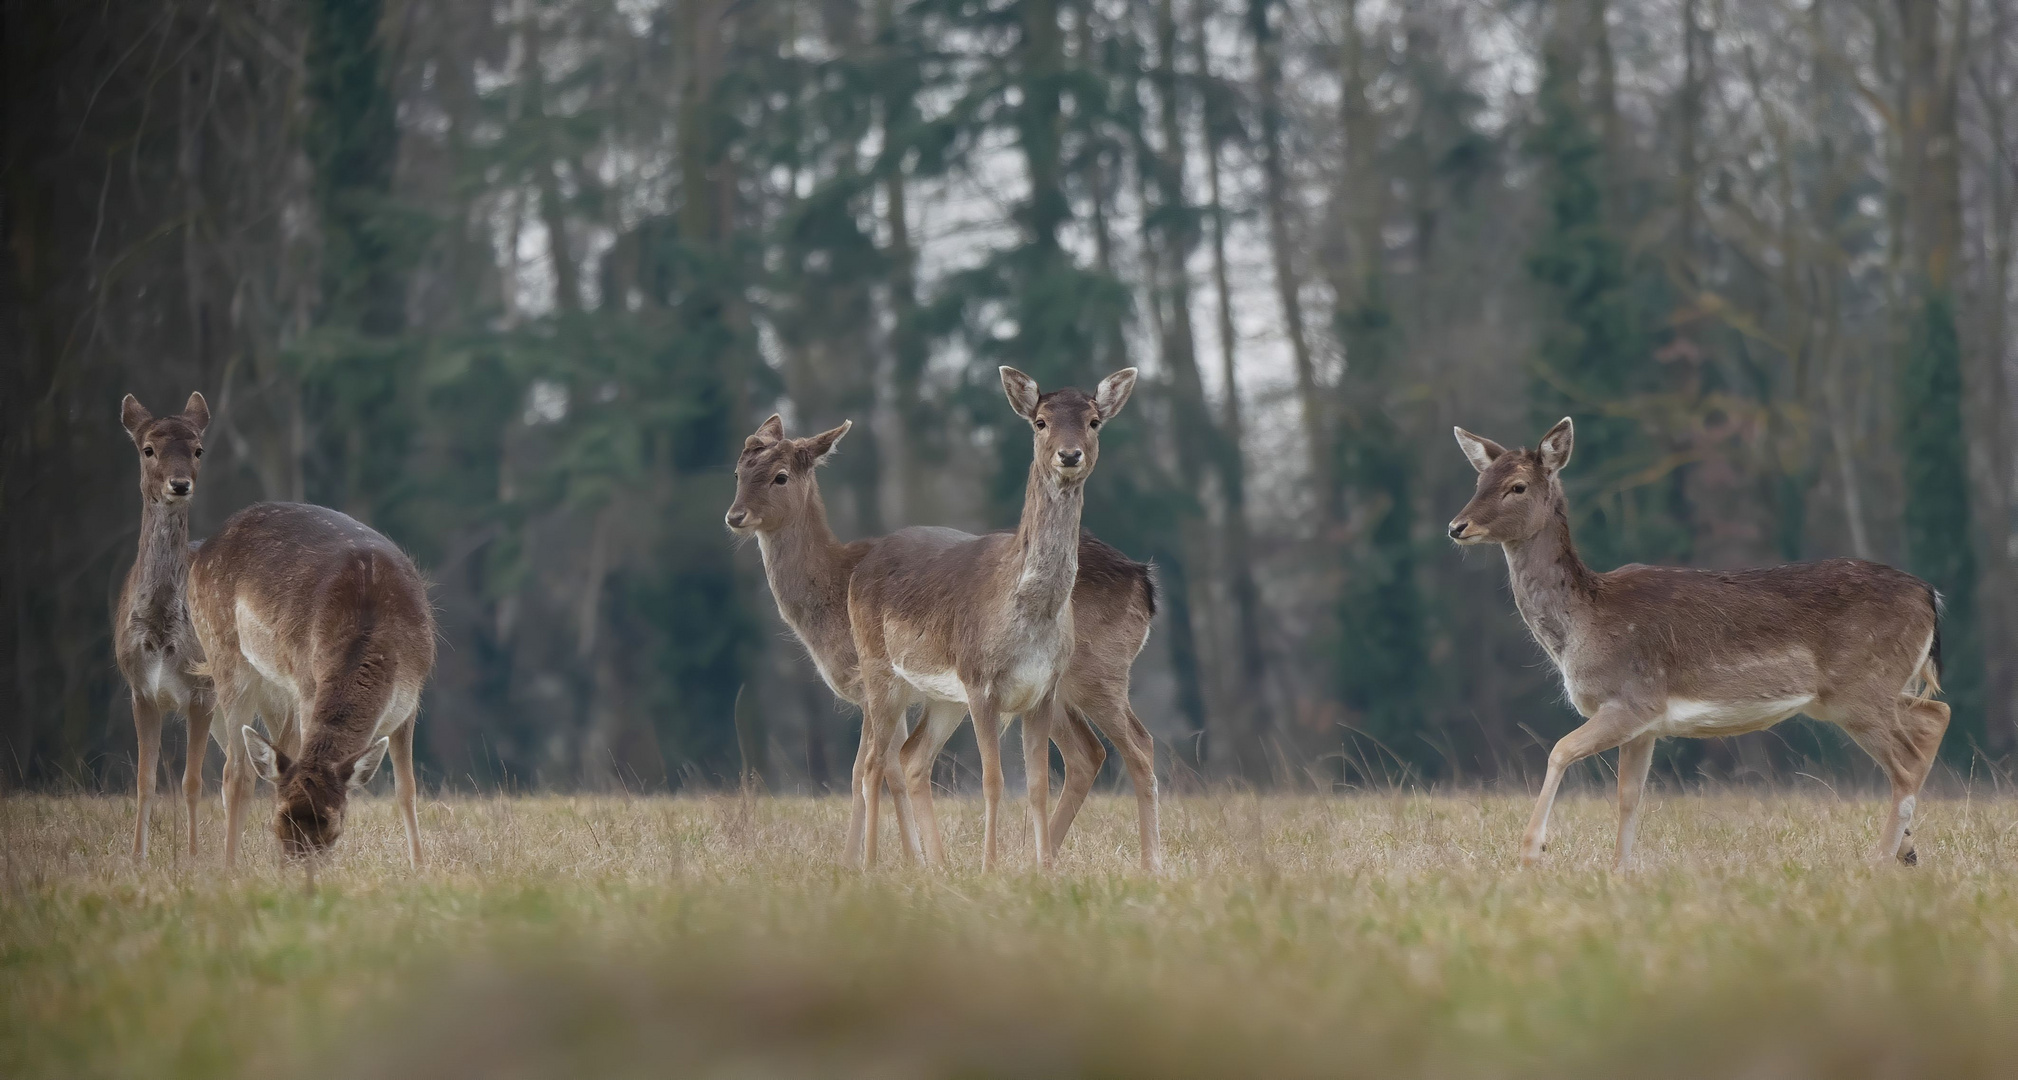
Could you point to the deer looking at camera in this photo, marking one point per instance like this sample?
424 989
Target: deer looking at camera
151 636
1648 651
303 611
985 622
1114 599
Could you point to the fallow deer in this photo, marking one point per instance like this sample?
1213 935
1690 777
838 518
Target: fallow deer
1651 651
939 616
304 611
778 501
151 636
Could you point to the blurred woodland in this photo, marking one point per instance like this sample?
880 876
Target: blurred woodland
511 280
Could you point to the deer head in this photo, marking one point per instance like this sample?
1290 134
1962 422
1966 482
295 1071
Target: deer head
1065 424
312 794
774 477
170 447
1518 490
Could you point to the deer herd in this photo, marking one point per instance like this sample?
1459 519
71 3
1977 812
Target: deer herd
322 628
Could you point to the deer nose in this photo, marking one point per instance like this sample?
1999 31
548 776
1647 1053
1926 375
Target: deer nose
1070 458
736 518
179 487
1457 529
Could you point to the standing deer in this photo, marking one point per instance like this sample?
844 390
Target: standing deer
984 621
1647 651
302 610
778 501
151 635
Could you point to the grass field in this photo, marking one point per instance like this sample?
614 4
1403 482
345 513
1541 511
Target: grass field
1289 937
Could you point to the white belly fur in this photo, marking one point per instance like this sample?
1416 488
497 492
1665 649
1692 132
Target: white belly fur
1702 719
938 685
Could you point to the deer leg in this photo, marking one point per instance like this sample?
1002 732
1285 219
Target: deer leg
1083 755
1038 724
920 753
147 729
238 773
198 714
858 803
1138 752
403 784
988 732
1614 723
1902 733
1635 758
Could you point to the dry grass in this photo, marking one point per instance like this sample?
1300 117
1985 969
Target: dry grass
1370 936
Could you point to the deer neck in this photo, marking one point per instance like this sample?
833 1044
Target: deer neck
806 566
1047 543
161 572
1551 585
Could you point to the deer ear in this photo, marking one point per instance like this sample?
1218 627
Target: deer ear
134 415
1481 452
768 432
267 759
1022 391
1555 446
365 765
197 412
823 444
1114 391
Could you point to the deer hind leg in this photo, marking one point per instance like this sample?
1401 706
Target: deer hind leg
198 714
1138 752
1084 756
1635 758
403 784
1902 733
920 753
147 730
1613 724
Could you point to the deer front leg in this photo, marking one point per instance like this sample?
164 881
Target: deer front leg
1038 724
988 732
1635 758
147 730
1612 724
192 763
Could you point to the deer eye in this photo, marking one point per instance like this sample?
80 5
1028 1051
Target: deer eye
1038 424
147 450
781 478
1093 423
1520 489
199 451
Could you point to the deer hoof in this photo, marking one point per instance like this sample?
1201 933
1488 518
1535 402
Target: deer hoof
1909 857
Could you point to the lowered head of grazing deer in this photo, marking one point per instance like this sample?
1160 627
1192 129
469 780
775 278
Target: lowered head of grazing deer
311 793
1651 651
774 478
171 448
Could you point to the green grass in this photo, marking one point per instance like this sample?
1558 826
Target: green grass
1289 937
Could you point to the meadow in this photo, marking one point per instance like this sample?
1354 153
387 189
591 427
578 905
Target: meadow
1374 935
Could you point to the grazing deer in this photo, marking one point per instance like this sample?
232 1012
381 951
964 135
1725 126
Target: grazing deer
302 610
939 616
1648 651
151 635
778 501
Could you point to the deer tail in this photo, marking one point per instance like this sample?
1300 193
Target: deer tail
1929 672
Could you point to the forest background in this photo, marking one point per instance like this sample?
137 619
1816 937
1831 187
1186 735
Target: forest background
511 280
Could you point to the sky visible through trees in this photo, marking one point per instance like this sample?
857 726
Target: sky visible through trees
511 281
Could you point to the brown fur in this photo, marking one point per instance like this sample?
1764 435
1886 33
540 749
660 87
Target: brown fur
986 621
809 570
300 606
151 637
1647 651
